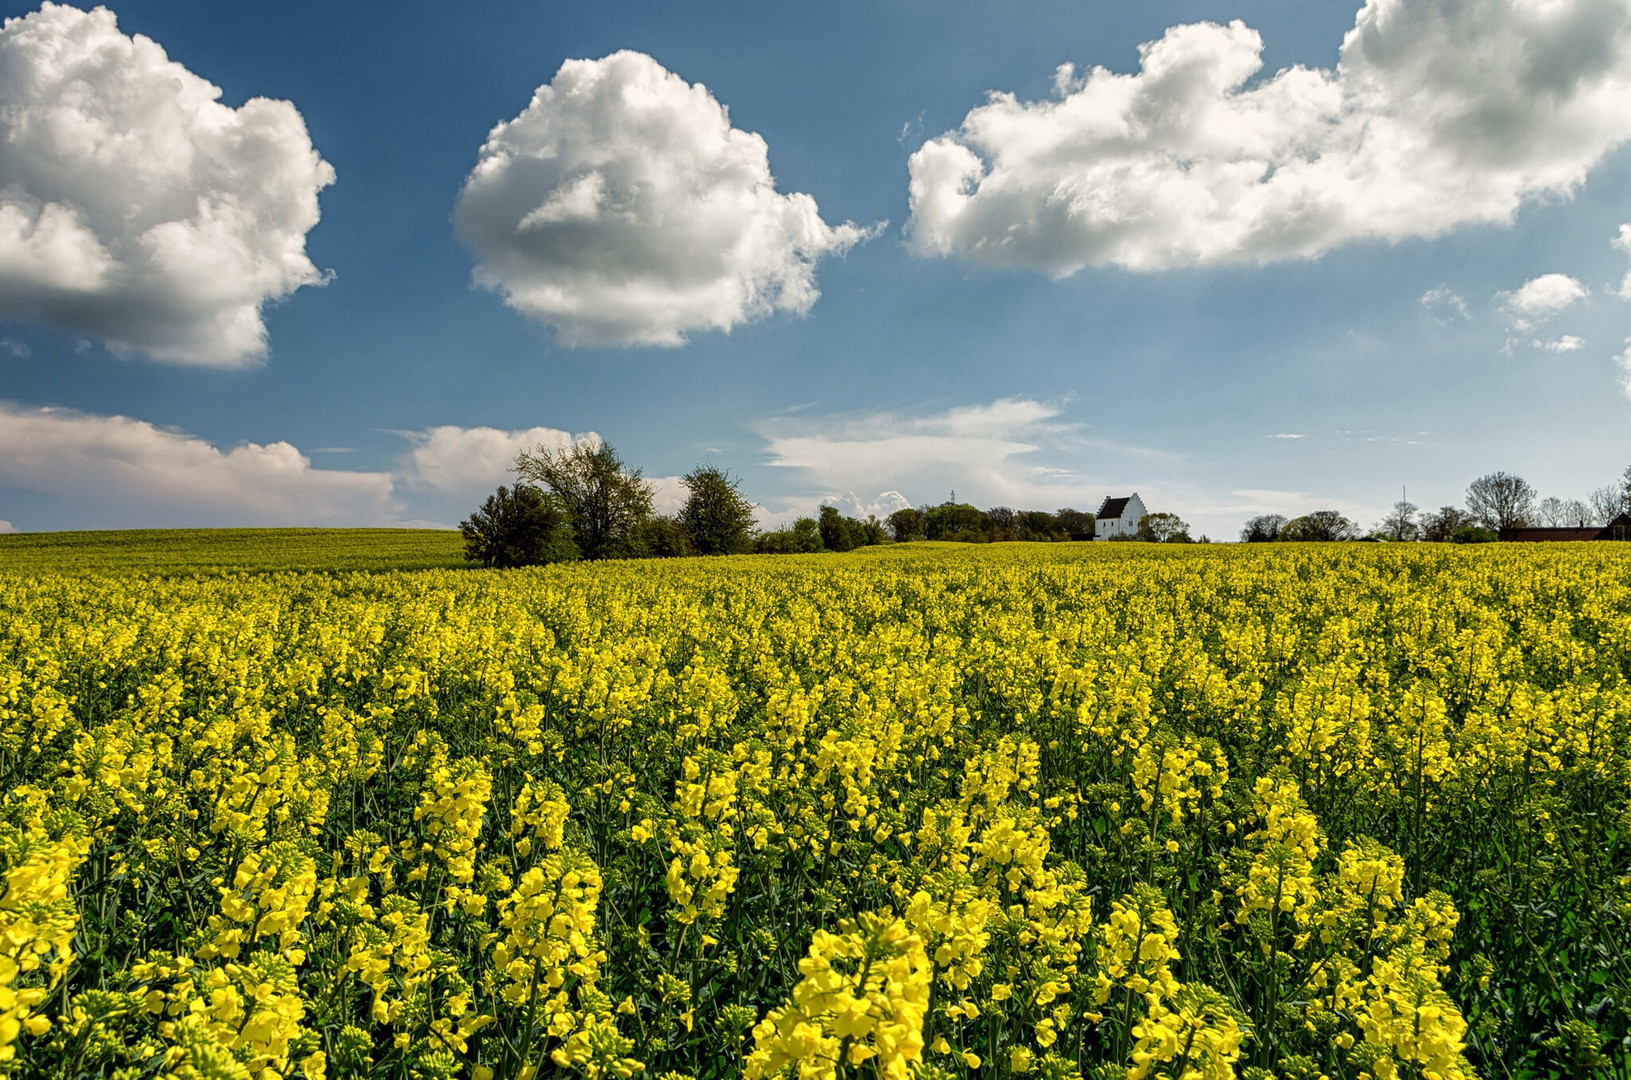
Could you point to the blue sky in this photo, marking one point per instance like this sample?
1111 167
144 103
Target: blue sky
1157 278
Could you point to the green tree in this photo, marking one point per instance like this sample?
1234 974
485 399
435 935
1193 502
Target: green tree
517 528
954 521
1473 534
1163 529
1000 522
663 537
606 502
1321 525
804 536
907 525
717 517
1037 525
834 536
1077 524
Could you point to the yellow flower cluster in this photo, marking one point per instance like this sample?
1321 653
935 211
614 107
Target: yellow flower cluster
861 998
37 925
1195 1036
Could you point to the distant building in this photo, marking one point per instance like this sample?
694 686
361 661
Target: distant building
1618 529
1118 517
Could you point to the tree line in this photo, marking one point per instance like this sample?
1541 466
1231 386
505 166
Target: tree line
585 502
1496 501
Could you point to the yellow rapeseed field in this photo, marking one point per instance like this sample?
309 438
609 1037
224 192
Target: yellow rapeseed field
1062 811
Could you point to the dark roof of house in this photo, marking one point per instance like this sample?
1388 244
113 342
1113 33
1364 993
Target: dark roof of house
1529 536
1112 508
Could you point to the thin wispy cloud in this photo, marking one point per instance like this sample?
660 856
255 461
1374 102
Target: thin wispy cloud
1015 451
1442 302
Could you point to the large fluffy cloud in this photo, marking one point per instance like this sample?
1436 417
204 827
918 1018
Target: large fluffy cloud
129 465
464 461
137 209
459 463
1439 113
622 208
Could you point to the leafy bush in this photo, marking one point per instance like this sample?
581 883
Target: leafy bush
803 537
1473 534
519 527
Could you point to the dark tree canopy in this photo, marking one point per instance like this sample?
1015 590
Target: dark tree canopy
1501 501
663 537
834 536
1000 522
716 517
606 503
1473 534
522 527
1442 525
1037 525
1076 524
1263 529
907 524
954 521
1320 525
840 533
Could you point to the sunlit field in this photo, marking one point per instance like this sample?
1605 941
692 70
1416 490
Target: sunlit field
1131 811
192 551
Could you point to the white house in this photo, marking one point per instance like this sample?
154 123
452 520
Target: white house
1118 517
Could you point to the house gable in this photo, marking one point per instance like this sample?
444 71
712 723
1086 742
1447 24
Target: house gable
1118 516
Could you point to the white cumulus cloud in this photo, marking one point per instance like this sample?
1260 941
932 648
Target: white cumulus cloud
1538 299
131 465
1624 362
1438 113
1566 343
622 208
137 209
465 461
7 527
